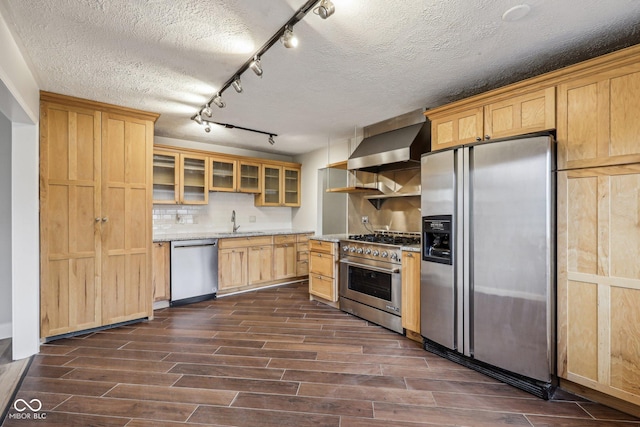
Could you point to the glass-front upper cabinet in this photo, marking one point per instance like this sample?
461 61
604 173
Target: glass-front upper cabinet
195 186
249 177
271 187
223 174
291 187
165 177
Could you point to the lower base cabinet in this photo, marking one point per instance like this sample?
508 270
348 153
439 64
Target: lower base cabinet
411 291
161 276
599 279
323 270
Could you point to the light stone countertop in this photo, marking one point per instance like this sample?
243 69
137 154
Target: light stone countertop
197 235
334 238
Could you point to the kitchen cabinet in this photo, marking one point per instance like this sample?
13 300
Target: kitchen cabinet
302 255
249 178
161 276
234 175
503 116
280 186
411 291
179 178
95 214
323 271
599 279
260 264
284 257
597 119
232 266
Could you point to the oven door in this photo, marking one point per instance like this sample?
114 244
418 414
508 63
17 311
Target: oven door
374 285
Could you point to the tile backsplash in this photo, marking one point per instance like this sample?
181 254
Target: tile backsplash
216 216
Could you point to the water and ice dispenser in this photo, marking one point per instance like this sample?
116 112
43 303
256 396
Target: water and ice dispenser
437 239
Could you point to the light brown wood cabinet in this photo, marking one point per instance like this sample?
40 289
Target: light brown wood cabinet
302 255
234 175
598 119
260 264
161 277
180 178
411 291
95 214
323 270
599 279
506 115
280 186
284 257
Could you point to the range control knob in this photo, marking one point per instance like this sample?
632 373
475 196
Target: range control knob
345 248
376 252
368 251
352 249
360 250
384 254
394 256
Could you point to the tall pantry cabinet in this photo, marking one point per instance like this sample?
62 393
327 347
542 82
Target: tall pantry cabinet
95 214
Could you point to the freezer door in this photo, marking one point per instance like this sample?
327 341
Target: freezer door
437 280
511 204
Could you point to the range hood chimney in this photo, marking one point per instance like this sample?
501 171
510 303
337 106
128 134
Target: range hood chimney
393 144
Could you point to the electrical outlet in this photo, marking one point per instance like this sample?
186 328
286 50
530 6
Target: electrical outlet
365 219
252 218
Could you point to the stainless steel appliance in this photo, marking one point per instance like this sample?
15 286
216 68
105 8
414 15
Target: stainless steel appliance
487 273
194 270
370 276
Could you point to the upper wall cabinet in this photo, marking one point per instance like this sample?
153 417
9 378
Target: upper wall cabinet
280 186
234 175
180 178
166 177
194 186
598 119
518 114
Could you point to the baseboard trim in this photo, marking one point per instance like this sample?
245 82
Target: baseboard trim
5 330
599 397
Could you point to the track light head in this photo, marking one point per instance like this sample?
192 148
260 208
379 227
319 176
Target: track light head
288 39
256 66
198 118
237 84
271 141
218 101
207 110
325 9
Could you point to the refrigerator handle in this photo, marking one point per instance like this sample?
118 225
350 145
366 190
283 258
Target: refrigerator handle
467 248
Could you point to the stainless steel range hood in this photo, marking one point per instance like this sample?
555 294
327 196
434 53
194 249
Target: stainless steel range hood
394 149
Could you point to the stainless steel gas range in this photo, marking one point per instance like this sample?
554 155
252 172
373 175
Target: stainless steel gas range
370 276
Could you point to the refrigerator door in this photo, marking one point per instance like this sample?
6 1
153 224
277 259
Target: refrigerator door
511 272
438 298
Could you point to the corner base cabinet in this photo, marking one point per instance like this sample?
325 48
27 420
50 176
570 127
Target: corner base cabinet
95 214
599 279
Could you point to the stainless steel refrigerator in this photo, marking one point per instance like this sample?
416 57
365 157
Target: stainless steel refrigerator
487 272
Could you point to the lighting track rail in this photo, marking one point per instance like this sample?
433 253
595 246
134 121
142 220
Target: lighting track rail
285 35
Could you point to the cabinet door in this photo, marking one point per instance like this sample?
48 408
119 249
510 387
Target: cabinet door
232 268
249 177
70 219
161 277
271 185
323 287
411 291
166 177
284 261
518 115
599 279
194 184
291 187
223 174
457 129
260 264
126 218
598 119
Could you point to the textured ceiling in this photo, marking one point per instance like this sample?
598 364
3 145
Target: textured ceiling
371 60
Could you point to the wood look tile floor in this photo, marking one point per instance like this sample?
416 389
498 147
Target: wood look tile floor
273 358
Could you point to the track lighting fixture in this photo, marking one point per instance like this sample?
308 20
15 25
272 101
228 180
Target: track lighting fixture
325 9
256 66
289 39
237 85
218 100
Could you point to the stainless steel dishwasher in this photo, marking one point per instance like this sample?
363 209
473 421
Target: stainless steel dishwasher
194 270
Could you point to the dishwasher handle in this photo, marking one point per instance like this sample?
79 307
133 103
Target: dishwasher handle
199 244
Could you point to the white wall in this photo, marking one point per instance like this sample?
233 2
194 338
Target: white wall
5 227
19 101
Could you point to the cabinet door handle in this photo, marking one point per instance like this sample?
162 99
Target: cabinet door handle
105 219
478 138
410 255
98 219
487 137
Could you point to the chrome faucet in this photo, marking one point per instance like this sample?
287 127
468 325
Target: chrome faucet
233 219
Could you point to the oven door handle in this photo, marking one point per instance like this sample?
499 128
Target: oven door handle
369 267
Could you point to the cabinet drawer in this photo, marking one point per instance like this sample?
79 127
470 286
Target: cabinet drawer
289 238
302 238
323 287
321 263
303 247
303 255
302 268
321 246
243 242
